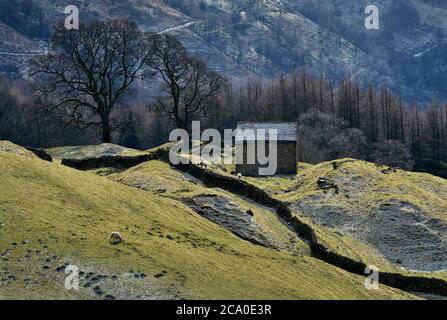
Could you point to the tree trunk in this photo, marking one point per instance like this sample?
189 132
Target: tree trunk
106 135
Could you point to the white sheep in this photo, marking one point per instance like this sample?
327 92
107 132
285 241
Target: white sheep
115 238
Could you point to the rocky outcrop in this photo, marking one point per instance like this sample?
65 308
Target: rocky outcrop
228 214
9 147
306 232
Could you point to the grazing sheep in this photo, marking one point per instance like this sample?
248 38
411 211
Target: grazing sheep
239 175
115 238
203 165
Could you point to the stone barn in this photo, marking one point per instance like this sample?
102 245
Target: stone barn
287 147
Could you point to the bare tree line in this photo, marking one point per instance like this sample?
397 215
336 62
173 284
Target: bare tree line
130 87
345 119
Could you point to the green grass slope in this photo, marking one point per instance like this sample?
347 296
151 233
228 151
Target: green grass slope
159 178
51 216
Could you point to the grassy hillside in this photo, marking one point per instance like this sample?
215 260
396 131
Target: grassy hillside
263 226
391 218
52 216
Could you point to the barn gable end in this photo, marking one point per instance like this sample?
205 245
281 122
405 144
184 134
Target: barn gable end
287 147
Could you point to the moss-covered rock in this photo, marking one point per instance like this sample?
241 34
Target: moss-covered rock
92 151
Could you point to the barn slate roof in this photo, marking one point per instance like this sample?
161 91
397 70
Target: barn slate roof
286 131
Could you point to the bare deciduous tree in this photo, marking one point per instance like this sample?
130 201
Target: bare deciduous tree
90 71
188 84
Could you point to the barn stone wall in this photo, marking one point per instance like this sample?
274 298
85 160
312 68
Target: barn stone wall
287 161
287 158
